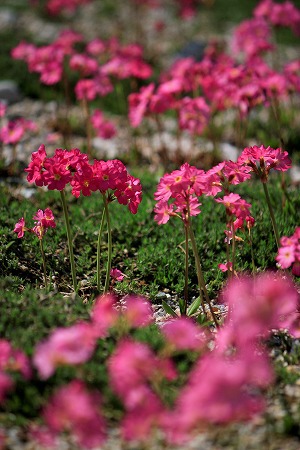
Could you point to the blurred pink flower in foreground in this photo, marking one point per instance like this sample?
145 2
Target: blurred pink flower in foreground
73 408
73 345
289 252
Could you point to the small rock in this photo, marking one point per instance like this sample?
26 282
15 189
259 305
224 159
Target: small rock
9 91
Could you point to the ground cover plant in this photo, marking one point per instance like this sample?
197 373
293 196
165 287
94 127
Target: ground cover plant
146 292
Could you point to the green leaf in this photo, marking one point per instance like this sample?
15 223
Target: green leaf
193 307
181 306
168 309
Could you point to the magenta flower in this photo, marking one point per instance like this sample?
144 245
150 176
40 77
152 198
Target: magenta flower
45 218
117 275
137 312
289 252
138 104
73 408
20 227
252 37
104 314
104 128
194 114
184 334
13 360
74 345
263 159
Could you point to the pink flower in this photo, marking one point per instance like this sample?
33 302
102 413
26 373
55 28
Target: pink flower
193 115
72 408
13 132
225 267
183 334
163 211
104 314
13 360
2 109
83 64
260 304
138 104
252 37
137 312
36 166
104 128
86 89
73 345
262 160
45 218
116 274
289 252
20 227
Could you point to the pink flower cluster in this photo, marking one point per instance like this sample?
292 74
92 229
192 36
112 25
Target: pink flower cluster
43 221
72 167
48 60
262 159
289 252
74 409
196 90
224 385
239 208
104 128
55 7
184 186
76 344
284 14
14 130
11 360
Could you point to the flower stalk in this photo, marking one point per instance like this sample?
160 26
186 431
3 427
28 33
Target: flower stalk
273 220
109 244
69 238
99 249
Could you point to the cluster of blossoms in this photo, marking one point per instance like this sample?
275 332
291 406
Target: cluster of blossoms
72 167
55 7
262 159
48 60
224 385
100 60
14 130
196 90
104 128
11 360
284 14
183 187
289 252
43 221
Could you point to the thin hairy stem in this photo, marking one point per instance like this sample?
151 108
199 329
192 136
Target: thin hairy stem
109 244
275 229
201 282
69 237
99 248
44 263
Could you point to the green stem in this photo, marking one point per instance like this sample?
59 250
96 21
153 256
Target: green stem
233 247
186 280
252 253
88 127
201 282
69 237
99 248
44 262
266 191
109 243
